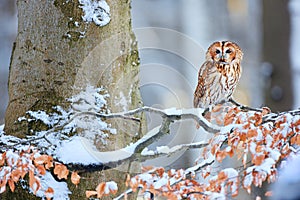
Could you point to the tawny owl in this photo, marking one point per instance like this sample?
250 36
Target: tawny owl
219 74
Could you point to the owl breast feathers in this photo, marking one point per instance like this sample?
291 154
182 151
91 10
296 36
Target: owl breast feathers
219 74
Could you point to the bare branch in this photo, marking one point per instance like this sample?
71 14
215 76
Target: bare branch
243 107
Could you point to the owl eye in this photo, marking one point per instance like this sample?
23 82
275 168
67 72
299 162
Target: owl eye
228 51
218 51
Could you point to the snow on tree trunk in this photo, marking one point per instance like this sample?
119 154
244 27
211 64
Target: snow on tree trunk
57 54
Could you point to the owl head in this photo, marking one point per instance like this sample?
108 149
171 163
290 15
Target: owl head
224 52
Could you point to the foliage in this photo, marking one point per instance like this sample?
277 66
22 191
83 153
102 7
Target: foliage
259 139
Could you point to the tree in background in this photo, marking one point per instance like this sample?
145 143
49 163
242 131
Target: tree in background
84 127
276 54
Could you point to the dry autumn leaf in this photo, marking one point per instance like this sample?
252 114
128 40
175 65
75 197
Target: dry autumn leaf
3 158
268 194
34 183
44 159
100 189
49 193
89 193
11 185
61 171
75 178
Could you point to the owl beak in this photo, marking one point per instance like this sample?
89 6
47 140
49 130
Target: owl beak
222 58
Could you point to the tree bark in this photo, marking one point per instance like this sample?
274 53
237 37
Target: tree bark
54 57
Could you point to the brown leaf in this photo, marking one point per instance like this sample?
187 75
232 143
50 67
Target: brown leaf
127 180
100 189
11 185
61 171
251 133
268 194
3 158
44 159
265 110
257 160
75 178
41 169
160 171
15 175
222 177
89 193
49 193
34 183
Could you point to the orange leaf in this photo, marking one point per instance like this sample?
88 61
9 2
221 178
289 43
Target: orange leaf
15 175
268 194
89 193
133 184
75 178
127 180
222 176
11 185
61 171
44 159
34 183
220 155
3 158
160 171
296 139
41 169
265 110
257 160
49 193
251 133
100 189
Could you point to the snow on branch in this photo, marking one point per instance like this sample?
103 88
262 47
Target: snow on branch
111 159
258 138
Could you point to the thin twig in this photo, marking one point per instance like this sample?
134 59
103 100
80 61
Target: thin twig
243 107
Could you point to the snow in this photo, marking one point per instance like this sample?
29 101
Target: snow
288 181
61 190
86 152
11 157
81 154
266 166
110 186
160 183
89 99
148 152
210 159
248 179
43 116
95 11
173 111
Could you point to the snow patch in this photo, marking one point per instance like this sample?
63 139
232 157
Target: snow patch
95 11
75 151
61 190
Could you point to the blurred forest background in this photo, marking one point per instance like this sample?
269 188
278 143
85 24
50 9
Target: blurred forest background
267 30
173 36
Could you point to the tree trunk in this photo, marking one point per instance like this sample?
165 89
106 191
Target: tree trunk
56 55
276 46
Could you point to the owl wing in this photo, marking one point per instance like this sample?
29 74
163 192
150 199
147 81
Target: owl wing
201 87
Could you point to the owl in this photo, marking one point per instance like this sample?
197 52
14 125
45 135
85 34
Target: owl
219 74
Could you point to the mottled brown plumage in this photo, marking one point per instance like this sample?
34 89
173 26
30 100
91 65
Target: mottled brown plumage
219 74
